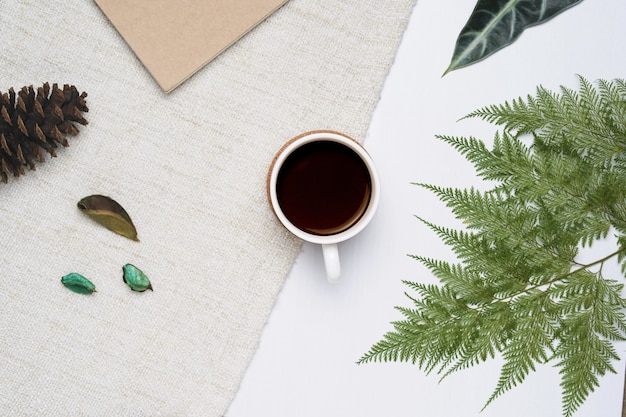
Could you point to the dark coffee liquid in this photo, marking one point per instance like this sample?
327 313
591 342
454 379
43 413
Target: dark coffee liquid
323 187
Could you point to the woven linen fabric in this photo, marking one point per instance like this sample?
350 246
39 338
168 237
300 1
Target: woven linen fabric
190 169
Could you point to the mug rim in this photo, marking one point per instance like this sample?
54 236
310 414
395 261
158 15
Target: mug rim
295 143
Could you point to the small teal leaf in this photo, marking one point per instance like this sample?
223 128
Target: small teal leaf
136 279
495 24
78 283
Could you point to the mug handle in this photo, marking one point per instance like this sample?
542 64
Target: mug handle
331 260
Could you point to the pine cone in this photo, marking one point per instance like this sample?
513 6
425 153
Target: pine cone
31 122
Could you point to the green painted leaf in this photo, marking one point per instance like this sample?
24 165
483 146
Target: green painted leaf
77 283
495 24
135 278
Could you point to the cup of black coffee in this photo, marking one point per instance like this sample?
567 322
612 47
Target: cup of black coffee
323 187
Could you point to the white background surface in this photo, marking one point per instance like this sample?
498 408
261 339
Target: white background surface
305 364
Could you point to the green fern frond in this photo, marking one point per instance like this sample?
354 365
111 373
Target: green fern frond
522 116
468 285
528 347
471 206
583 356
558 170
488 335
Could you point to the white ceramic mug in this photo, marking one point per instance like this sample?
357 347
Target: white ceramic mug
323 195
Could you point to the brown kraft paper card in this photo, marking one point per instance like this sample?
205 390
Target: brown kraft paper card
175 38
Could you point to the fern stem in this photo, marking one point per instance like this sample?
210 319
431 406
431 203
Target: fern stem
559 278
599 261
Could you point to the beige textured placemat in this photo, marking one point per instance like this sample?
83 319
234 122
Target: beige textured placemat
190 168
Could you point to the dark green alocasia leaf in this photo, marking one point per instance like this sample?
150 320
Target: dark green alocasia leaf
495 24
